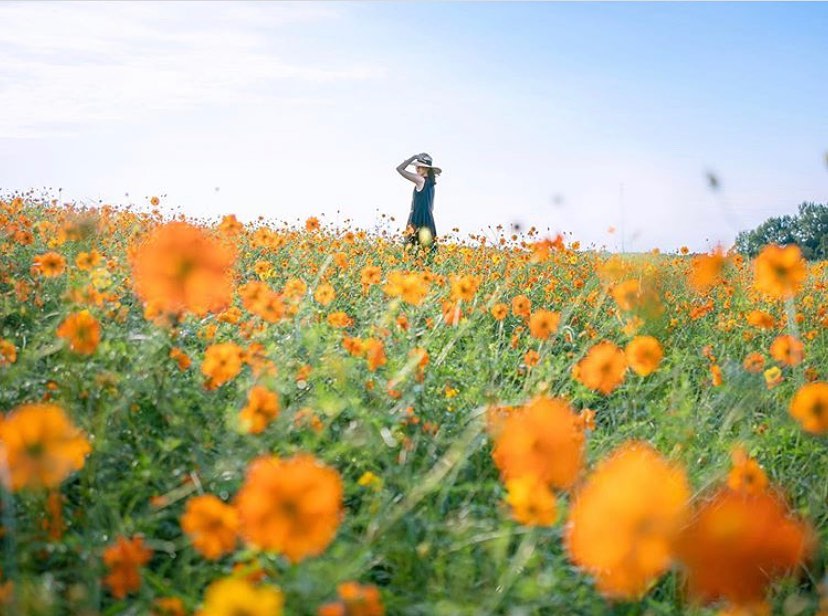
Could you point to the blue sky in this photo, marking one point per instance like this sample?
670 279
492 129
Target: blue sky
539 113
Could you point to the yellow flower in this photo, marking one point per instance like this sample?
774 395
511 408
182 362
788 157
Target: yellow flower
531 500
234 597
773 376
369 480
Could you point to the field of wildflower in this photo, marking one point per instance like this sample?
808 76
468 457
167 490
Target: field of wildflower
232 419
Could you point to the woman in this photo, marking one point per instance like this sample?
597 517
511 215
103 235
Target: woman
420 228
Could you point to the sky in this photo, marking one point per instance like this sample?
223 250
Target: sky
572 117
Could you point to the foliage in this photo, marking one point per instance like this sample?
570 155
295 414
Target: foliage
396 375
808 229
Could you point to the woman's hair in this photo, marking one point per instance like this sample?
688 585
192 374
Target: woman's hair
432 176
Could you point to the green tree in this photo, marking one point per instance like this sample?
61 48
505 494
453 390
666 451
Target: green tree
808 229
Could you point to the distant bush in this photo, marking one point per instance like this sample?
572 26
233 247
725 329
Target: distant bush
808 229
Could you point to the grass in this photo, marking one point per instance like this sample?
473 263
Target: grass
433 533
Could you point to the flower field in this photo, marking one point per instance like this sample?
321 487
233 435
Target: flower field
223 419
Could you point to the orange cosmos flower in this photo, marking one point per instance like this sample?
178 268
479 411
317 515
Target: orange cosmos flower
500 311
706 270
168 606
354 600
233 597
182 359
312 224
50 264
602 369
370 275
761 319
521 306
412 288
340 319
543 323
222 362
586 419
716 376
754 362
8 352
269 307
324 294
779 272
211 525
738 543
179 268
295 288
123 560
746 474
625 518
532 502
263 269
809 407
82 331
40 447
464 287
230 225
787 350
87 260
262 408
544 439
626 294
643 354
291 506
375 353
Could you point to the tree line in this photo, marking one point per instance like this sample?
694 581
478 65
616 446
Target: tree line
808 229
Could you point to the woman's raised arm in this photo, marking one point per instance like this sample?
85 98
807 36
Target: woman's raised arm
407 174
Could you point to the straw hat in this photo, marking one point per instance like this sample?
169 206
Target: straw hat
426 161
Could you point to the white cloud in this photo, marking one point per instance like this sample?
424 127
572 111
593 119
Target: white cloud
65 65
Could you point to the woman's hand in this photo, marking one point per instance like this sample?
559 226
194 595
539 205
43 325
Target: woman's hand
401 169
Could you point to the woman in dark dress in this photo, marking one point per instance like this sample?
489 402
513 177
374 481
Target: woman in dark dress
420 228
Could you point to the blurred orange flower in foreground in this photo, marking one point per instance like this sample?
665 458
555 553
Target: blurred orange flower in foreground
82 331
779 272
603 367
123 560
809 407
737 543
291 506
624 519
644 353
41 447
179 267
211 525
544 440
706 270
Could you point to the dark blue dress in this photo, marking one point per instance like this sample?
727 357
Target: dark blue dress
422 209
